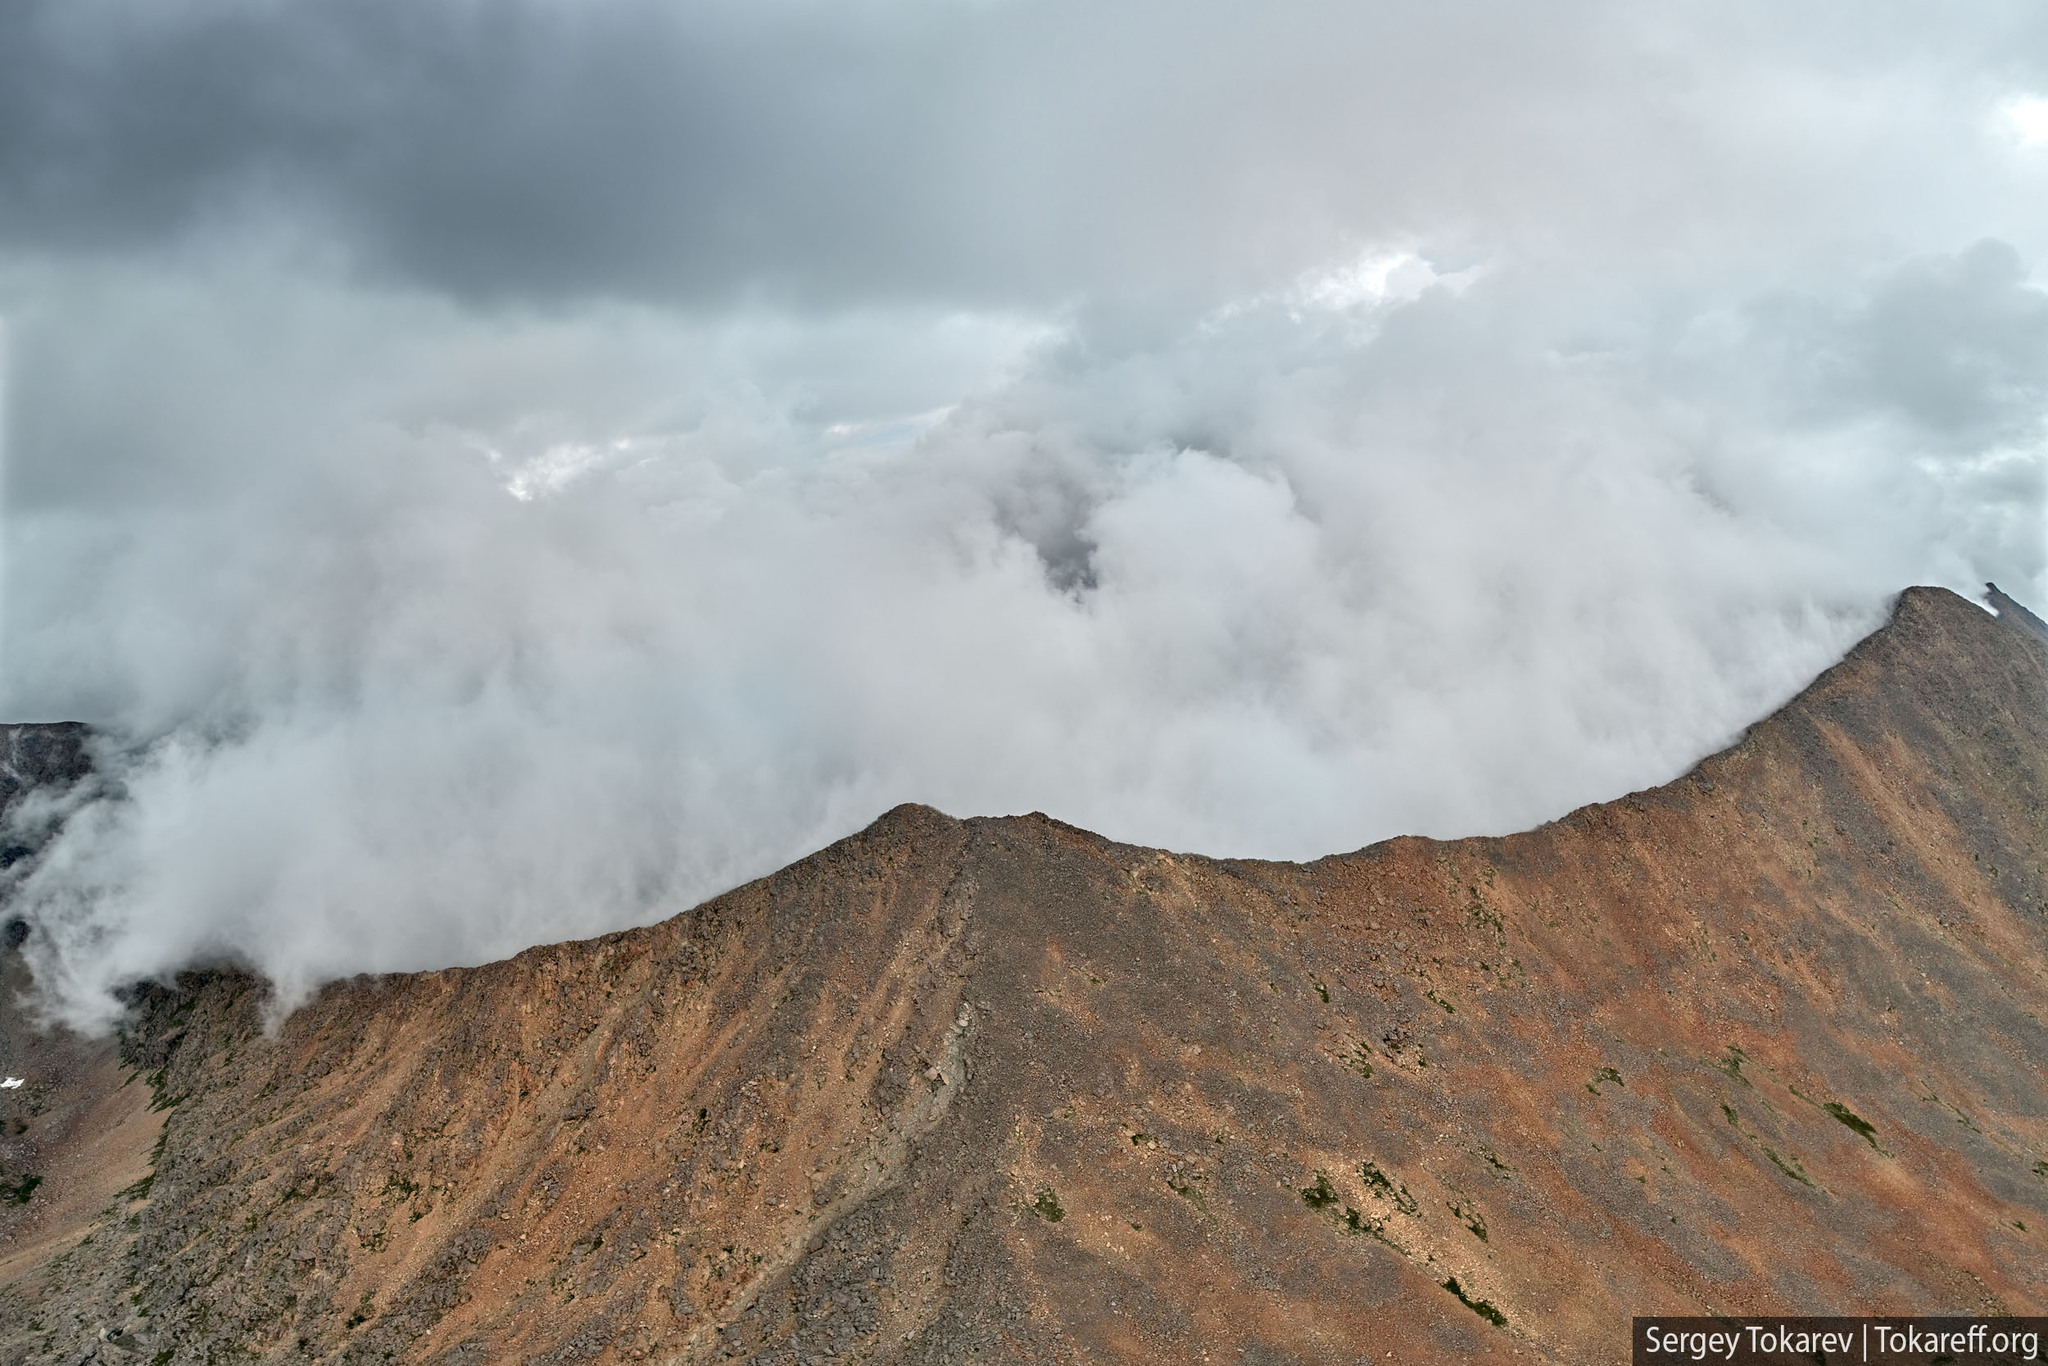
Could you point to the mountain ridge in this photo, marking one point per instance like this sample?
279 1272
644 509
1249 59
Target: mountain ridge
999 1089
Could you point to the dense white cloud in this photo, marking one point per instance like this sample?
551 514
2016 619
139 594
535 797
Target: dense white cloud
619 447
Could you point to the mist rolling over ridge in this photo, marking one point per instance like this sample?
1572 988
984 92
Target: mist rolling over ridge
617 449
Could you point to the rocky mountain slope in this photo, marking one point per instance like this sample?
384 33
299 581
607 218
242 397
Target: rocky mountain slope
1767 1039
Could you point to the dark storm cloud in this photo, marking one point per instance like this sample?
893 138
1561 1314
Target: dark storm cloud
520 146
974 151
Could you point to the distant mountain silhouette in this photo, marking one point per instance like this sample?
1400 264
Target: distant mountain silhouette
1766 1039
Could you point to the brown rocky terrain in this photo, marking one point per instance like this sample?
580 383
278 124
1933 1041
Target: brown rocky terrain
1769 1038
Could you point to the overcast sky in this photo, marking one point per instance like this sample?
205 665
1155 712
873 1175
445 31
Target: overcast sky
504 471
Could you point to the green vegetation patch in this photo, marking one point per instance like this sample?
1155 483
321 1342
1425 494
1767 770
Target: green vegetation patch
1483 1308
1387 1188
1854 1121
1791 1168
1606 1074
1469 1215
1046 1205
1480 915
160 1091
1321 1195
20 1189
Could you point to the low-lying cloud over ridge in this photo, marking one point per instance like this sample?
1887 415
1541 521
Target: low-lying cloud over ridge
620 447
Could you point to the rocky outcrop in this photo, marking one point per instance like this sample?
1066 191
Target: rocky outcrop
46 756
1766 1039
41 754
2014 612
71 1136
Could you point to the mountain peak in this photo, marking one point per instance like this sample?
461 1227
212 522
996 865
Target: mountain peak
1004 1090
